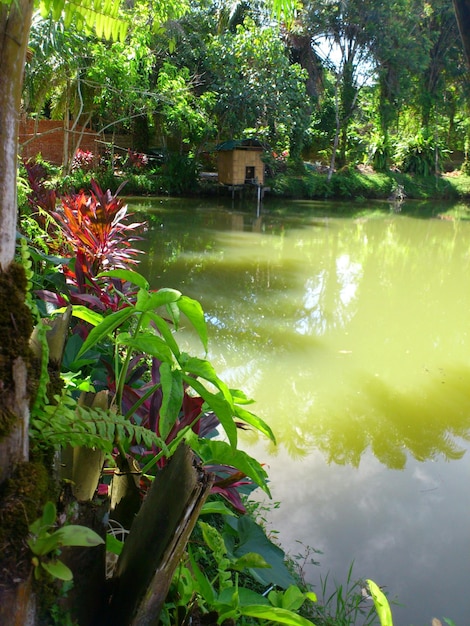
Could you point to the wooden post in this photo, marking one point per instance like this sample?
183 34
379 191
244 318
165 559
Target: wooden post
157 540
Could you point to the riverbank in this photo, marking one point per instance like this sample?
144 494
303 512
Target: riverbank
351 183
359 184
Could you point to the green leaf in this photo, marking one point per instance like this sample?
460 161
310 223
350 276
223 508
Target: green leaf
381 604
43 544
193 311
252 538
216 507
172 388
213 539
74 535
204 586
57 569
292 598
239 397
83 313
219 405
105 328
113 544
165 331
152 345
275 614
174 313
127 276
204 369
250 559
255 421
245 597
159 298
213 451
49 515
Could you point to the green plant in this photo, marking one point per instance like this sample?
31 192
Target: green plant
421 155
216 589
465 167
346 605
138 331
67 423
45 543
381 604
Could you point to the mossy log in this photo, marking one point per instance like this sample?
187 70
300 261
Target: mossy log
157 540
15 365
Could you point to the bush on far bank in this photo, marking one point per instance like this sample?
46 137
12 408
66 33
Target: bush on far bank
352 183
179 175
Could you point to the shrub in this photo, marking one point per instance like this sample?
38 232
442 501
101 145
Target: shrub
83 160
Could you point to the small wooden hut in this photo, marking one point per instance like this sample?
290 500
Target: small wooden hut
239 162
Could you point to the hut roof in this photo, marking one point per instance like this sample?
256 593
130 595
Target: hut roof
243 144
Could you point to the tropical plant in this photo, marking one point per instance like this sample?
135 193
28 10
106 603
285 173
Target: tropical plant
45 543
93 225
83 160
216 589
381 604
419 155
137 334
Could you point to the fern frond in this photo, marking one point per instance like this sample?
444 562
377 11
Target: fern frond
102 16
66 423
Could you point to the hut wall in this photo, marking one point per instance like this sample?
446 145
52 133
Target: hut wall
232 166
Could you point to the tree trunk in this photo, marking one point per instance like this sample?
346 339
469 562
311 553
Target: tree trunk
15 21
462 12
17 600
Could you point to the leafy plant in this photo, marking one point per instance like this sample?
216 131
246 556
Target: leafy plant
381 604
93 225
194 590
345 605
168 404
136 160
45 543
83 160
421 155
67 423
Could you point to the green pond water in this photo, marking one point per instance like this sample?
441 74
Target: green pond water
350 329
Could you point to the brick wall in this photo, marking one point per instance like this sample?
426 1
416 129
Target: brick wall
47 138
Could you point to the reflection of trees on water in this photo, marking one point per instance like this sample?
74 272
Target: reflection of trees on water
281 292
425 423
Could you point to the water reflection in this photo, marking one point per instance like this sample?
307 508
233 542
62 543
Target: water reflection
351 334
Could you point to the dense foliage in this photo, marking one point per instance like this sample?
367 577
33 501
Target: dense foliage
346 82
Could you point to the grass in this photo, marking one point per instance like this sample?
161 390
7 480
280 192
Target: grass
351 183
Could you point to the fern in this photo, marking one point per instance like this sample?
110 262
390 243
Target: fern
66 423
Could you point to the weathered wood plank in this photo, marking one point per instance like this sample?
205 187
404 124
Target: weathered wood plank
157 541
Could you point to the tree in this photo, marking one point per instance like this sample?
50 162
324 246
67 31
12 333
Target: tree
342 33
399 55
15 318
462 12
257 87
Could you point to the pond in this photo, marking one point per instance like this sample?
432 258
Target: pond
350 327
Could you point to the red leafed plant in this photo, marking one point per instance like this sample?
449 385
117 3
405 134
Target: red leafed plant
93 225
83 160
